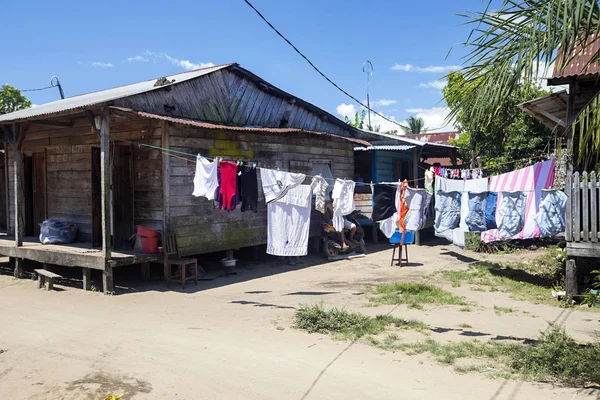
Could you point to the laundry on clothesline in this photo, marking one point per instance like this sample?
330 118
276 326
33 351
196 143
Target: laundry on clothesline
550 218
457 173
248 188
288 222
418 201
343 202
319 187
205 178
276 183
384 202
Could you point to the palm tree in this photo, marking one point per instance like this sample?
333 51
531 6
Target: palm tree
516 45
416 125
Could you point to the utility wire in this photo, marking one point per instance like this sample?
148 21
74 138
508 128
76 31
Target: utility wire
36 90
318 70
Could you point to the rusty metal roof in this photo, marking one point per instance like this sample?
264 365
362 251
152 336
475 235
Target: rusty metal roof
207 125
578 66
550 110
100 97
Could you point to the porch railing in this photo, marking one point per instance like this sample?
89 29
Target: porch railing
581 213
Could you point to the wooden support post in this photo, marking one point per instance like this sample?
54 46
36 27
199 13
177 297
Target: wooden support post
105 176
6 180
416 156
145 271
107 279
571 278
87 278
18 135
18 271
166 181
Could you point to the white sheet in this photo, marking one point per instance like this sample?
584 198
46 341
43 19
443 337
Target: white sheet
288 222
388 226
276 183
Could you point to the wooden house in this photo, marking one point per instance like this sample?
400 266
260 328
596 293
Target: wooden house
111 160
557 111
390 158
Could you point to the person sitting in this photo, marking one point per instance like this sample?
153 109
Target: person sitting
348 226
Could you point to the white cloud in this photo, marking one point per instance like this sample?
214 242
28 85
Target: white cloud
434 84
431 69
434 118
185 64
383 103
137 58
101 64
188 65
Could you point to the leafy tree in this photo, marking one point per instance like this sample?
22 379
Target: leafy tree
512 46
11 100
511 135
416 125
359 119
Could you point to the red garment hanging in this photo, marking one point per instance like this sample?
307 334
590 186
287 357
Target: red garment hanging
228 183
403 207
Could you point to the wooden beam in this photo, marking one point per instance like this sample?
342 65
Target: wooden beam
87 278
105 177
18 191
7 184
8 134
92 119
53 123
547 115
166 181
571 278
558 100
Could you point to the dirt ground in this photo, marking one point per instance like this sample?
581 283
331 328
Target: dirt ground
231 338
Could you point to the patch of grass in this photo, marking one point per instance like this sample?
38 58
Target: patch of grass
463 369
554 356
414 295
347 325
465 309
513 279
464 325
503 310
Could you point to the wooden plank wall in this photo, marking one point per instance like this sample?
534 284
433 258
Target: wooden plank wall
69 171
202 228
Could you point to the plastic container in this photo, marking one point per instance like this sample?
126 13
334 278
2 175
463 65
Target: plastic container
228 262
147 232
409 237
149 239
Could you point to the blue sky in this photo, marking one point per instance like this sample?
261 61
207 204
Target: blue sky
97 45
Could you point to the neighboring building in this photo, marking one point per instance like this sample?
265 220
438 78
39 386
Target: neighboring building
391 158
437 137
87 160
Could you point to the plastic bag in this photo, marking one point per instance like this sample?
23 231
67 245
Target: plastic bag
54 231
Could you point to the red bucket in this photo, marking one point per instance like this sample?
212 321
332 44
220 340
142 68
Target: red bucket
149 239
149 245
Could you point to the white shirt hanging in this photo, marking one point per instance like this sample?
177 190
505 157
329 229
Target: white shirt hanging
343 202
205 179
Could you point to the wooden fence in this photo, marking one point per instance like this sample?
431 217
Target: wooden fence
581 213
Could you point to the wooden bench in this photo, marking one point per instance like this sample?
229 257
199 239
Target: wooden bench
45 275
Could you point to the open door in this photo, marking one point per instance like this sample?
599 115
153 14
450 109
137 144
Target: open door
35 205
122 196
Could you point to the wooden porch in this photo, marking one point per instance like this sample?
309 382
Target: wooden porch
77 254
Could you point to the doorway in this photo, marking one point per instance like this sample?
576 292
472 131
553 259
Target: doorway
122 193
35 205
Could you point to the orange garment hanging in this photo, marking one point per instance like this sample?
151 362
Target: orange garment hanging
403 207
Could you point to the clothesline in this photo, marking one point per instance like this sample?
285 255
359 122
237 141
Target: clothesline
169 151
173 153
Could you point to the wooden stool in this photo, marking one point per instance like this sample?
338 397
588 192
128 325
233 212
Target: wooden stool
398 240
45 275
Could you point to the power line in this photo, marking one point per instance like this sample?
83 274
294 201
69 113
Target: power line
318 70
36 90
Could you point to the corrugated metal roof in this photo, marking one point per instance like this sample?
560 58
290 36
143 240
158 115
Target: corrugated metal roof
208 125
385 147
403 139
103 96
550 110
578 66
